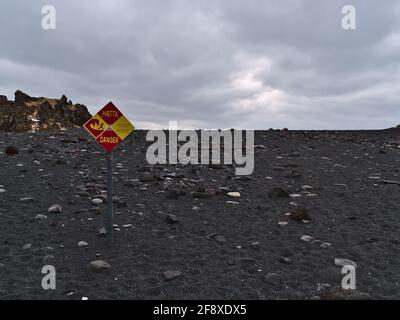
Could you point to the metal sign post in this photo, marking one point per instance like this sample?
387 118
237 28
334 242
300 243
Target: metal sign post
109 217
109 127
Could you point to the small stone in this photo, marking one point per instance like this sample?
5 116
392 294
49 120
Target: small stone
171 275
98 266
311 195
220 239
306 238
11 151
2 190
97 201
127 226
285 260
55 208
278 192
196 208
326 245
233 194
390 182
232 202
41 217
323 286
27 246
82 244
27 200
295 196
283 223
102 232
255 244
171 219
299 214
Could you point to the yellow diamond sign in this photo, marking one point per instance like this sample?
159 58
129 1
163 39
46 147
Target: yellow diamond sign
122 127
109 127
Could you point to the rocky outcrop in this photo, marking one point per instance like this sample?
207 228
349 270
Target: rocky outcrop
27 113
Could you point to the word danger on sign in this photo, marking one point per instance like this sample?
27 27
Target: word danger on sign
109 127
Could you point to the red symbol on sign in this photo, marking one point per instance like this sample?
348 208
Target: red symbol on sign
110 113
95 126
109 140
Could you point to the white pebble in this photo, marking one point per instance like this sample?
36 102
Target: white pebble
82 244
233 194
97 201
306 238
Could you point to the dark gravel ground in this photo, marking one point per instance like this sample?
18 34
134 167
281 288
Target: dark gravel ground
221 250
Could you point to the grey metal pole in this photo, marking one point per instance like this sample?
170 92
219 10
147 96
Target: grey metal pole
109 217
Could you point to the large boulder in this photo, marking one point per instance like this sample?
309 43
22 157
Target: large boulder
27 113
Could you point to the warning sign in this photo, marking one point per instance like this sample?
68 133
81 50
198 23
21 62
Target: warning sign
96 126
109 127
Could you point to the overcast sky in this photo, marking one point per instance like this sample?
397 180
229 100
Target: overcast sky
211 63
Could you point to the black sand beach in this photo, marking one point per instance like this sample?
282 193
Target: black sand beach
347 181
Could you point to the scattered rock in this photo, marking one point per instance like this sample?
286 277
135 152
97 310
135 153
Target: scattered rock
232 202
27 200
285 260
27 246
11 151
326 245
233 194
55 208
172 275
99 266
171 219
97 201
307 238
390 182
102 232
299 214
82 244
41 217
255 245
220 239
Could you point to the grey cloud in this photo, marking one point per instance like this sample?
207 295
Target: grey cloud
224 63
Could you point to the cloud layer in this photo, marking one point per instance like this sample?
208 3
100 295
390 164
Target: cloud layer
213 64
